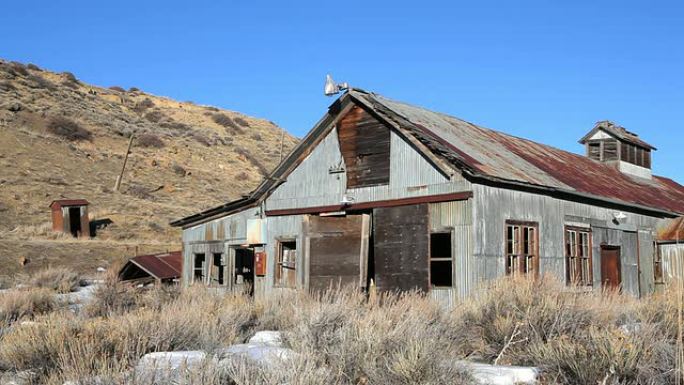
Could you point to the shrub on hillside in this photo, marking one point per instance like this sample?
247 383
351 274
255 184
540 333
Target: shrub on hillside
70 77
68 129
33 67
117 88
39 82
143 105
241 121
154 116
19 69
133 89
225 121
149 141
200 138
59 279
7 86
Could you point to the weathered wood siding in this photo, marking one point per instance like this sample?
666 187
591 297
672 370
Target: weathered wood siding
365 148
493 206
672 255
313 184
401 248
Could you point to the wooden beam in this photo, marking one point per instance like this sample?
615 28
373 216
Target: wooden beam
458 196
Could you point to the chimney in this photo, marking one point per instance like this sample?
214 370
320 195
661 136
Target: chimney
612 144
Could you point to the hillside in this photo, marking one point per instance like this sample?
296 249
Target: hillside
62 138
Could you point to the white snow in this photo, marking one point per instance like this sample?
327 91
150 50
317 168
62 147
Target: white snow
267 338
501 375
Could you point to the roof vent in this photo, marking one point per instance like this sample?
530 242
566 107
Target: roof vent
612 144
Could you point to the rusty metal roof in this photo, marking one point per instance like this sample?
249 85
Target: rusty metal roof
160 266
484 154
69 202
489 153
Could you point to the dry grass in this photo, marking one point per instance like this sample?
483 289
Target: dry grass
16 305
58 279
342 337
68 129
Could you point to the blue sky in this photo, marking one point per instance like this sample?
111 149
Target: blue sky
543 70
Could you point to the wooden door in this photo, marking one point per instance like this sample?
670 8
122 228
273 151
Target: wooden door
338 251
401 248
610 267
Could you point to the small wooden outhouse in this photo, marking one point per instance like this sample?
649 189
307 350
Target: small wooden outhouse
71 216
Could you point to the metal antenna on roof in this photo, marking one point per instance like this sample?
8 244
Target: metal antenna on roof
331 88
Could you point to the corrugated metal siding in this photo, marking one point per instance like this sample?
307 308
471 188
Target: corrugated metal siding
311 184
456 216
493 206
673 261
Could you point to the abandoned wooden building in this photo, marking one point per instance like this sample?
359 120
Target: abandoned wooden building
71 216
153 268
413 199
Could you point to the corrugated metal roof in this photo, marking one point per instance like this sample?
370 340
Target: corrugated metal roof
484 153
69 202
495 154
160 266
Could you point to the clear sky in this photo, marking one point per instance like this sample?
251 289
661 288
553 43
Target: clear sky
543 70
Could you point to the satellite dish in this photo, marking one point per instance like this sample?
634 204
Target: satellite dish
332 88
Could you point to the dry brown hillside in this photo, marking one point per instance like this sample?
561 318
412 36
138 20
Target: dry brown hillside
62 138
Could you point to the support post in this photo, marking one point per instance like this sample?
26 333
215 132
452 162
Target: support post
117 185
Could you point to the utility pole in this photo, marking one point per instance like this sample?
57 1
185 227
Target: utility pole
117 185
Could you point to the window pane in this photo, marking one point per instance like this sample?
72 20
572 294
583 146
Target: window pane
440 245
441 273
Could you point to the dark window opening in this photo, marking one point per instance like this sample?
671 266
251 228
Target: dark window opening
522 251
610 150
218 270
244 269
441 261
286 264
198 268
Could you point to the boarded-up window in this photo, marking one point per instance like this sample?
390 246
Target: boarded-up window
217 270
365 147
286 274
338 251
198 268
522 251
441 261
578 256
635 155
401 248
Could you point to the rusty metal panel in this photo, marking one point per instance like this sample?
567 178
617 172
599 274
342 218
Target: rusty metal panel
336 251
401 248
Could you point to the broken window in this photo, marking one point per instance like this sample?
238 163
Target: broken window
218 270
657 265
441 261
594 151
522 252
198 268
578 256
635 155
286 264
610 150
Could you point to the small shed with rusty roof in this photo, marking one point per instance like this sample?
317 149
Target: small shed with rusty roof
71 216
160 268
